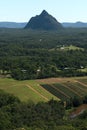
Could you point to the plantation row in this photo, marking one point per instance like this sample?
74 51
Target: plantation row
67 90
84 80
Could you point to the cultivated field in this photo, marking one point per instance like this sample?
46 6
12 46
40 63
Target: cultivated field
28 90
65 88
45 89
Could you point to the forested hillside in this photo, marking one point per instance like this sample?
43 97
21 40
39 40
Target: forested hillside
27 54
51 115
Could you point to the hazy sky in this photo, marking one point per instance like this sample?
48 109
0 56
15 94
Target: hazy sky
62 10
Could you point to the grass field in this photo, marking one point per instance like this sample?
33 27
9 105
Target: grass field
71 47
67 48
26 90
45 89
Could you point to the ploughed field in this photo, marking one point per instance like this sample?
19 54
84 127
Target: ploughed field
66 88
45 89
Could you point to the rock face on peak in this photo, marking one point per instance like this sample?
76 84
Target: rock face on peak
44 13
44 21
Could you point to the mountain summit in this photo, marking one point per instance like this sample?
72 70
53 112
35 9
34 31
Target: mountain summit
44 21
44 13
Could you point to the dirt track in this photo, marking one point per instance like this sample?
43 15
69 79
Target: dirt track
78 111
37 92
81 83
53 80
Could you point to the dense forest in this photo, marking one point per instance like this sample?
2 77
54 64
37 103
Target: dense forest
51 115
28 54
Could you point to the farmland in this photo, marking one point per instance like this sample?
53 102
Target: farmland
38 110
25 90
41 68
66 88
67 48
45 89
31 58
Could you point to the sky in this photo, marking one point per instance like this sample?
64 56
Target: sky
62 10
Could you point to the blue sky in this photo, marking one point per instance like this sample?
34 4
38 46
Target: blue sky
62 10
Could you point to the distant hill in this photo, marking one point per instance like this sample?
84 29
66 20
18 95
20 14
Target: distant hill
75 25
22 25
44 21
12 25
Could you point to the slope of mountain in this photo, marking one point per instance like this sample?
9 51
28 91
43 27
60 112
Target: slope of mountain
75 25
12 25
44 21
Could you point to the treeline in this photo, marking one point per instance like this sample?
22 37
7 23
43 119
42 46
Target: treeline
44 64
51 115
75 102
16 114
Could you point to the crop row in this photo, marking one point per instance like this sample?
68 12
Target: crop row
66 90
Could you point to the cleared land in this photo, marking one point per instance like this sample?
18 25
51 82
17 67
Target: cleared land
71 47
78 111
45 89
67 48
65 88
28 90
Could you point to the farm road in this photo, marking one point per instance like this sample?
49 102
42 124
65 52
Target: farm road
37 92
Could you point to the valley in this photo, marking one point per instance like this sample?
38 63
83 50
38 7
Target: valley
43 79
43 65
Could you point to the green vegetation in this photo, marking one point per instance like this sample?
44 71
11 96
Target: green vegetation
46 89
17 115
41 104
26 90
67 89
27 54
67 48
71 47
83 70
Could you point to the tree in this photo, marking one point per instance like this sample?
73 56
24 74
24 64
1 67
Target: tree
7 99
76 101
85 99
5 123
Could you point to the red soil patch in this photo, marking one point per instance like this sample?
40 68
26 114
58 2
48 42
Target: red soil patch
53 80
78 111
